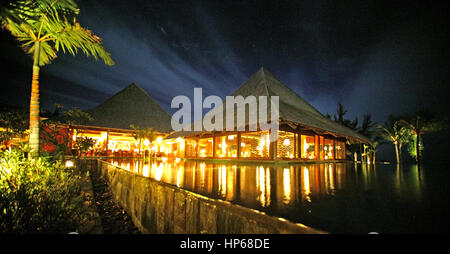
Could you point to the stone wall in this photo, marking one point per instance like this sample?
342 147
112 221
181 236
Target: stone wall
157 207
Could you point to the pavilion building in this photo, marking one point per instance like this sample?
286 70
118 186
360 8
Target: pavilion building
304 134
111 126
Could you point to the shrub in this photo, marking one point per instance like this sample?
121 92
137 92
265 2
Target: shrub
38 195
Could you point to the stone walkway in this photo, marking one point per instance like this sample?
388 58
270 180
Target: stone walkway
114 218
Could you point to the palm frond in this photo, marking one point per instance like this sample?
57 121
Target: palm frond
66 7
47 21
71 37
19 11
46 54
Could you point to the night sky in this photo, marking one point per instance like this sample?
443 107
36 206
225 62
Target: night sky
372 56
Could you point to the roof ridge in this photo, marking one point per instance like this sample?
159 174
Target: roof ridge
111 113
266 86
293 92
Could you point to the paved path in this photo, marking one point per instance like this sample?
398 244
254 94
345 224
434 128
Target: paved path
114 219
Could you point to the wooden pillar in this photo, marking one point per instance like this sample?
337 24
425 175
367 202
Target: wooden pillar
272 148
196 147
299 145
214 145
321 150
345 150
333 153
107 142
185 148
238 145
295 145
316 147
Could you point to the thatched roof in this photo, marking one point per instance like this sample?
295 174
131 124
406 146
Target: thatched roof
292 108
132 105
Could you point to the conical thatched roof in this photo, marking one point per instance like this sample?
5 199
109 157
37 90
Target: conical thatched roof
132 105
292 108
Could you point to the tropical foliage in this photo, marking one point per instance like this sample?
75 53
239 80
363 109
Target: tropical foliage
57 129
366 128
142 134
417 125
393 130
38 195
44 28
83 144
13 123
48 26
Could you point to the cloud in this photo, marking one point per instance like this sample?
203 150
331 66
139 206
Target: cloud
163 63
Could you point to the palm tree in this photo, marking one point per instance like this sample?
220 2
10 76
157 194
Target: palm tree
142 134
340 112
149 134
367 126
393 131
43 28
420 123
373 147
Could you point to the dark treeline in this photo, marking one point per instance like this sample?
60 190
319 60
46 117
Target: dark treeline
402 131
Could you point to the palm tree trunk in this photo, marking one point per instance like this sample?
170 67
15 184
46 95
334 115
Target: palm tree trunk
397 152
34 106
417 148
361 152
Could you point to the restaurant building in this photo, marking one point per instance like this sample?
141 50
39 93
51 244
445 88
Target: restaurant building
111 126
304 133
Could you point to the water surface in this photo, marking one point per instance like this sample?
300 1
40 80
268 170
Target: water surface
335 197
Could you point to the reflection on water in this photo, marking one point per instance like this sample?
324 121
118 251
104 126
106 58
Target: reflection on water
337 197
252 184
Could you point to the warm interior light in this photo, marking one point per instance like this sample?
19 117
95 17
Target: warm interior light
103 137
159 140
231 137
286 142
69 164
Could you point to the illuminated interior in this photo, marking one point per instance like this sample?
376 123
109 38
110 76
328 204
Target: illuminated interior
340 150
255 145
244 145
172 147
326 148
191 148
205 147
286 145
307 147
117 144
226 146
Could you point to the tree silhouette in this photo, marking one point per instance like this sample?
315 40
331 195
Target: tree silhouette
43 28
